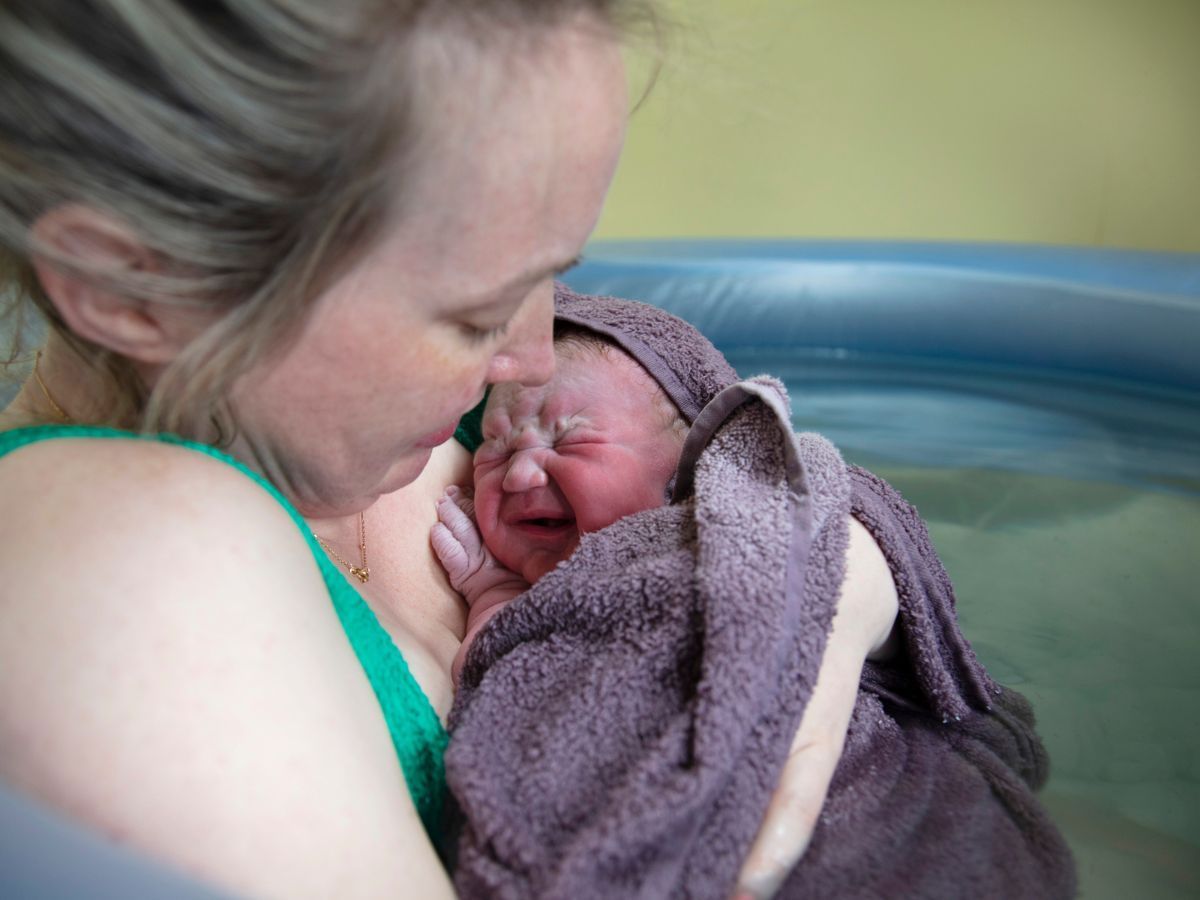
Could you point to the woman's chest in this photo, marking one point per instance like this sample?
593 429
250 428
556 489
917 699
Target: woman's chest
408 590
427 633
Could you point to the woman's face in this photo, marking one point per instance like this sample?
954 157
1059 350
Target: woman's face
512 168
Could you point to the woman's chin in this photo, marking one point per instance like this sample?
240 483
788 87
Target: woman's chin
405 470
362 494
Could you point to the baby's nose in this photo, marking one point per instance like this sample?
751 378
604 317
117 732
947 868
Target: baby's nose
525 471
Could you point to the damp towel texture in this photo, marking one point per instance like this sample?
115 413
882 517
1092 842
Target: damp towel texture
620 728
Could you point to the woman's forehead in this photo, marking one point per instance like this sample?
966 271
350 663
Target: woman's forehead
514 162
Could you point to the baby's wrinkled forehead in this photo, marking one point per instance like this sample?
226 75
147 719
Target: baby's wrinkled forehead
581 380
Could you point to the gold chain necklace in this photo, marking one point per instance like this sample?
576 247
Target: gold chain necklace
37 376
361 572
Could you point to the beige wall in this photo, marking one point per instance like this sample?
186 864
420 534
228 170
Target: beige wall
1055 121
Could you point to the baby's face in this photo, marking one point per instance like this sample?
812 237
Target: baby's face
569 457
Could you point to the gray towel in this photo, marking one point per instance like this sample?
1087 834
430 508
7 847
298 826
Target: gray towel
619 728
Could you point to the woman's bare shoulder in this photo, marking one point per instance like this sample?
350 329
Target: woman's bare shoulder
162 619
126 471
87 514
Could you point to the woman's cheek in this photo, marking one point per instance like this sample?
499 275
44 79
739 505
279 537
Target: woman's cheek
462 376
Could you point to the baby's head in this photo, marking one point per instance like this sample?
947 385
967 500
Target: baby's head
599 441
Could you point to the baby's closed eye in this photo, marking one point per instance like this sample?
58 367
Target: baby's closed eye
488 456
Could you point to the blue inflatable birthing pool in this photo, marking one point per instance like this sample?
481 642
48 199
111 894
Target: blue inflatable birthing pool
1041 407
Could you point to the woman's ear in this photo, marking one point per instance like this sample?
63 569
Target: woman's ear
138 329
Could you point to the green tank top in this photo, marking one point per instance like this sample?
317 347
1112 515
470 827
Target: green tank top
470 427
417 734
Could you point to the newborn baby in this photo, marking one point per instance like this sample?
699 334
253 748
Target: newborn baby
598 442
619 731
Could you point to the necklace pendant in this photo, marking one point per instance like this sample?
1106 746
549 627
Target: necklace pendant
362 573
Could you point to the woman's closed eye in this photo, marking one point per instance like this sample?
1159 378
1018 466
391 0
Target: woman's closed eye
480 335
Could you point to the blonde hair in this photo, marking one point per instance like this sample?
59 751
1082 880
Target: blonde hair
251 145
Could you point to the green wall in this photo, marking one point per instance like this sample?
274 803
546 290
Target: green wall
1054 121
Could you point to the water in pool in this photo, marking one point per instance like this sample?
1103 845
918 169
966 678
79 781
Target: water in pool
1068 515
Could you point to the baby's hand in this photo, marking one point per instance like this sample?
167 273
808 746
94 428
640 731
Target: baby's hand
455 537
485 584
470 566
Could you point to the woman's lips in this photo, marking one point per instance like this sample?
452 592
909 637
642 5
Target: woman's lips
437 438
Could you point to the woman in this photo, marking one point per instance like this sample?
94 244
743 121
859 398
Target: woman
313 234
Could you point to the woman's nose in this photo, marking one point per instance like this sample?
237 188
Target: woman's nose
528 352
525 472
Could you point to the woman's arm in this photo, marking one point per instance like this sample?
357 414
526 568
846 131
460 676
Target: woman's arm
174 675
863 626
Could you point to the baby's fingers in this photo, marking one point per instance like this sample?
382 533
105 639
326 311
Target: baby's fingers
463 497
450 551
456 513
467 505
